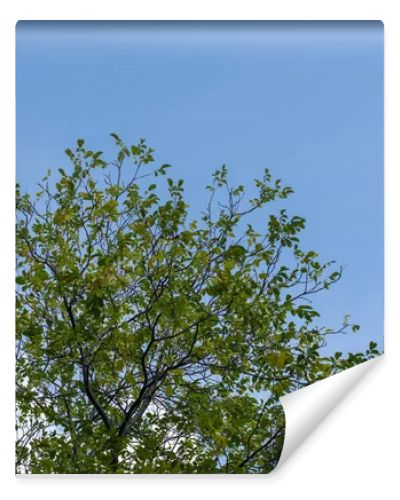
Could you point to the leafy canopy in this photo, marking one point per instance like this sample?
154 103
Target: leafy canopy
148 341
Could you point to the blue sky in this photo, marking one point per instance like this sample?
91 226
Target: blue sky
302 98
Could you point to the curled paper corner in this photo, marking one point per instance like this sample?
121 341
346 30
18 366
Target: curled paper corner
307 408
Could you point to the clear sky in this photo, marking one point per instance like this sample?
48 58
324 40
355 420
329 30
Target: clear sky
304 99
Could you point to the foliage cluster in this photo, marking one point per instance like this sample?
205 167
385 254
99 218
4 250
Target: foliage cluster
150 342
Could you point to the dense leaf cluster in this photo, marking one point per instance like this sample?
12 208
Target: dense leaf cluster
151 342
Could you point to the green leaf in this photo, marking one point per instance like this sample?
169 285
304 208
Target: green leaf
115 136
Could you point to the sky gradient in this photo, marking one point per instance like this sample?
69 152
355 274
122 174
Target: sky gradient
304 99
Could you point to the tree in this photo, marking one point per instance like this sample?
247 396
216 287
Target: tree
151 342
